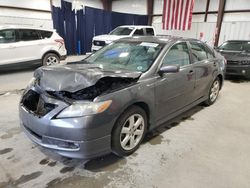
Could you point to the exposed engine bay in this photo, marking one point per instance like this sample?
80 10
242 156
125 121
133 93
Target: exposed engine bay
102 86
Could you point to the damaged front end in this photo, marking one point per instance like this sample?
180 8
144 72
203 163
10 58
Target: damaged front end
103 86
75 86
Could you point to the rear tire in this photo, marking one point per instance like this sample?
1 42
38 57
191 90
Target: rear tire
50 59
129 131
213 92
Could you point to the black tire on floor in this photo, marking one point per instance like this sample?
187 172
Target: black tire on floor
50 56
116 146
210 100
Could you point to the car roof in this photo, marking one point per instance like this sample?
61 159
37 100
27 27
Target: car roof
237 41
137 26
23 27
161 39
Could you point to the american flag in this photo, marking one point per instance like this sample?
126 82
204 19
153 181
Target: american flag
177 14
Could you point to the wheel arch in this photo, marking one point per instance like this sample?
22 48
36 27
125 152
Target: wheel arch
220 79
50 51
142 105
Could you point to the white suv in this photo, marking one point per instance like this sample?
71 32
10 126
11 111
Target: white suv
121 32
22 46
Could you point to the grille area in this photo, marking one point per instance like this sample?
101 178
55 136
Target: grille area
35 104
99 43
245 62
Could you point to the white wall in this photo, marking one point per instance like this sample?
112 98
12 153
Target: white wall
130 6
234 26
26 17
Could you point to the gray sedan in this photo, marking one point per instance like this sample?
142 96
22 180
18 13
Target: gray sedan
108 101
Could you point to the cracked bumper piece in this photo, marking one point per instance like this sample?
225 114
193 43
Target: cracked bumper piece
69 137
72 149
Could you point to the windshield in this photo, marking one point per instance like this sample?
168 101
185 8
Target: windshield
121 31
131 56
235 46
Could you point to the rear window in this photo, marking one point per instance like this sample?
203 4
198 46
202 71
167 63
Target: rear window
28 35
149 31
46 34
138 32
7 36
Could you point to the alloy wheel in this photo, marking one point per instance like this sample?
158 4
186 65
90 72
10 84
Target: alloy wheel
52 60
214 90
132 132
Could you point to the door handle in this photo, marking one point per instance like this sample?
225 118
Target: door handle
191 72
11 46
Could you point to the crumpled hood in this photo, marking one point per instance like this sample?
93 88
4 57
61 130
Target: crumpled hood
75 77
109 37
236 56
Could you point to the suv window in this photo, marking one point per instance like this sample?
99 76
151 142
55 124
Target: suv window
46 34
149 31
7 36
138 32
200 52
28 35
177 55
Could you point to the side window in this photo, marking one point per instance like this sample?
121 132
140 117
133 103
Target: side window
7 36
28 35
200 52
149 31
210 54
138 32
46 34
177 55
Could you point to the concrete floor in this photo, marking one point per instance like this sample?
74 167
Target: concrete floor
205 147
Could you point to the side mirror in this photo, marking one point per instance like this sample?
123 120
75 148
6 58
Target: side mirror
169 69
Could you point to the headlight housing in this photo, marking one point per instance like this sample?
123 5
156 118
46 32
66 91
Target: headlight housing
79 109
31 82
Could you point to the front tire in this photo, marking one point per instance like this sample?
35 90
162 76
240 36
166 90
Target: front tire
213 92
50 59
129 131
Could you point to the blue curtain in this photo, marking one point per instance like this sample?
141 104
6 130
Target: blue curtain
78 29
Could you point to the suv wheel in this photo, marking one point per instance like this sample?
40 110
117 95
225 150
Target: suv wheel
213 92
50 59
129 131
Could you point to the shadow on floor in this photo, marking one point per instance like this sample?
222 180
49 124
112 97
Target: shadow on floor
14 70
237 79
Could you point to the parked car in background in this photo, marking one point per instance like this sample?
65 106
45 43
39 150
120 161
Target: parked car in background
121 32
237 54
107 102
23 46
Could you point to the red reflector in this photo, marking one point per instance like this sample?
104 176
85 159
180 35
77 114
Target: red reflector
61 41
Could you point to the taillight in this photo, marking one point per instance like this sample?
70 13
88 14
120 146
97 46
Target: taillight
61 41
225 61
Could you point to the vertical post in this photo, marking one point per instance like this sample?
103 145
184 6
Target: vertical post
207 8
219 21
150 8
107 5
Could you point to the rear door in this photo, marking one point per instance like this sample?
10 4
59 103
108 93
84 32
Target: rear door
29 45
205 67
175 90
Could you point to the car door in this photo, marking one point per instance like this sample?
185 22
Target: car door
174 91
29 45
204 64
8 51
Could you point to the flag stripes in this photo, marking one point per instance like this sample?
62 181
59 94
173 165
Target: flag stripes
177 14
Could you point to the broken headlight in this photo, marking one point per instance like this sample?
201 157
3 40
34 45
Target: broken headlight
31 82
79 109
